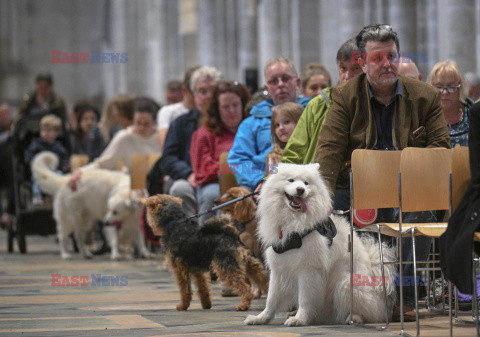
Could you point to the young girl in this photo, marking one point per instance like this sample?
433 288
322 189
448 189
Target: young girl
284 119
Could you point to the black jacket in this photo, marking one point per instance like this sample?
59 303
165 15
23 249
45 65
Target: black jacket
175 161
456 243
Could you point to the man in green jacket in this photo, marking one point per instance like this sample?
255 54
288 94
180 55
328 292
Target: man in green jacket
302 144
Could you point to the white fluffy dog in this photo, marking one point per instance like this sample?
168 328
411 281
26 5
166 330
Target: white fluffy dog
308 257
100 195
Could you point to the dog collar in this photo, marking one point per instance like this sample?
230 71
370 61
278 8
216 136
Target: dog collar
325 228
241 226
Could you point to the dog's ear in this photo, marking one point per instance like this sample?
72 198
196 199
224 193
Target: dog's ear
244 210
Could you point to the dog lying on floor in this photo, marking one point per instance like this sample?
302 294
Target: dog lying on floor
244 213
307 254
192 251
100 195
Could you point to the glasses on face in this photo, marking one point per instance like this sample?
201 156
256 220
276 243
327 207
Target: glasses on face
450 89
203 91
274 81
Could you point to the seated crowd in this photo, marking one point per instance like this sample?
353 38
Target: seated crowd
380 103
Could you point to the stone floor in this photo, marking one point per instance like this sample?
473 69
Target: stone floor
143 306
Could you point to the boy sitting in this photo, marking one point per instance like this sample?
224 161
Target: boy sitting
50 127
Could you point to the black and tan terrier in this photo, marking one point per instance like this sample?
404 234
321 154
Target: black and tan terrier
193 250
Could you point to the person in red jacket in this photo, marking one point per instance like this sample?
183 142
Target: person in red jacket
223 116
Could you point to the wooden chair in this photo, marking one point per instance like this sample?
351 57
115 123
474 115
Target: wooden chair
425 185
77 161
373 184
460 173
141 164
227 179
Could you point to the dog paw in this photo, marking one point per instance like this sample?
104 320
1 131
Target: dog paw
207 305
115 257
355 318
253 320
181 307
243 307
294 321
66 256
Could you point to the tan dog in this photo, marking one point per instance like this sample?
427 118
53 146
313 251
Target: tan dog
192 250
244 212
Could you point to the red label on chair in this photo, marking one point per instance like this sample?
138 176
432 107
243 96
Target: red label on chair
364 217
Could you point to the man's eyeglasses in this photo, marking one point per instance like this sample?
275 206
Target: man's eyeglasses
450 89
276 80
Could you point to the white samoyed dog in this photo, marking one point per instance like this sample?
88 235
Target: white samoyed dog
100 195
307 254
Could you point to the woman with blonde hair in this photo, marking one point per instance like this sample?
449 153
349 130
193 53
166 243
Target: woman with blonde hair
447 77
117 114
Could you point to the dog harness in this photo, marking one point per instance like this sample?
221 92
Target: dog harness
325 228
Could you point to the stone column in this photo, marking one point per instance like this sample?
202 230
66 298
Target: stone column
305 32
115 78
154 58
247 38
456 32
269 36
207 32
329 18
403 21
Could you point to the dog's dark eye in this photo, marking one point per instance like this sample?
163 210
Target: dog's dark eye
115 212
290 180
306 182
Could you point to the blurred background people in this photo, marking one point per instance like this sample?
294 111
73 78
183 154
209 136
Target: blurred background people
117 114
315 77
223 116
447 77
174 92
43 99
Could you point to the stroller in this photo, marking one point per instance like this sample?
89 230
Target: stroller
28 220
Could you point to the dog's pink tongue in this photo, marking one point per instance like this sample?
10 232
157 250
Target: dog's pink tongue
301 203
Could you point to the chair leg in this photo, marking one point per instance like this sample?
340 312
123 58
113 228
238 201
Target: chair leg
380 250
474 296
450 307
415 281
350 238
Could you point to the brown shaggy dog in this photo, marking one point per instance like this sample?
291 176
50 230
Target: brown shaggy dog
244 213
192 250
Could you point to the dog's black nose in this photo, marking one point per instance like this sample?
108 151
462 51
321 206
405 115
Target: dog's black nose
300 190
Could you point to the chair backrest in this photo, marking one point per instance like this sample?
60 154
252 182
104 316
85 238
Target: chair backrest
461 174
78 160
141 164
375 178
227 179
425 179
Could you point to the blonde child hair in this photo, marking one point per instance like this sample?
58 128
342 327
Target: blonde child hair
51 121
291 110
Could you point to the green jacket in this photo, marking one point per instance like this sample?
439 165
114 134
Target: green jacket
417 121
302 144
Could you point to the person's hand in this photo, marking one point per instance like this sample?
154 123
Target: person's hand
259 187
191 180
74 179
5 117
